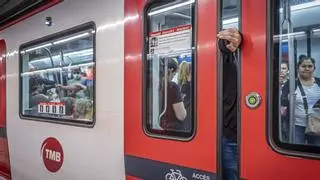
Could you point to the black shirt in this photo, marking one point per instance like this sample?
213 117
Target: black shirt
230 88
35 83
169 121
186 89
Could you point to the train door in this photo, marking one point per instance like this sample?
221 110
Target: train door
280 51
4 150
170 89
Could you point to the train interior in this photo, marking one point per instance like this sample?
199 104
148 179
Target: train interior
54 73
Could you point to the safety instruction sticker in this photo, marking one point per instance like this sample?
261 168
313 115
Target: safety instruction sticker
171 41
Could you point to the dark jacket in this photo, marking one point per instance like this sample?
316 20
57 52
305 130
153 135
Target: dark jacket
230 91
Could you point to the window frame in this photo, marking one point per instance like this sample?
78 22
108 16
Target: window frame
162 134
272 115
70 31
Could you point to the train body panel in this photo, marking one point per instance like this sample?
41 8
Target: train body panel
258 160
103 142
193 155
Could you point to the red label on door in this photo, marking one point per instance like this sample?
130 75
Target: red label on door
52 154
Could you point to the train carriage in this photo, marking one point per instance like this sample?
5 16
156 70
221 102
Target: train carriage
132 89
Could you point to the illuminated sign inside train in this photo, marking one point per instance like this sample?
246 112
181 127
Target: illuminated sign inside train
52 154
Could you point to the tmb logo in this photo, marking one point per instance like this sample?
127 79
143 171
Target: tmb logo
52 154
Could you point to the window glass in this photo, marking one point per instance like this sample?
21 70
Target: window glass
57 77
230 14
169 69
296 54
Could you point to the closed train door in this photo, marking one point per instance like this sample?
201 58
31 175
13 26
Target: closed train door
4 150
170 89
279 89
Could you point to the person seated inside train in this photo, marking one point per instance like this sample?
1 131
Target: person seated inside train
307 95
184 81
38 84
69 103
38 87
89 82
74 88
79 84
83 109
175 112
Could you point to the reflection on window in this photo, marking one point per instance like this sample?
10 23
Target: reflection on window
296 46
57 77
230 14
168 64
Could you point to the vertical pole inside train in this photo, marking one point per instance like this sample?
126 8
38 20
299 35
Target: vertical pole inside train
292 76
286 23
280 62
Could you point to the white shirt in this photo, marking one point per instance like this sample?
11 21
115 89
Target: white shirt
313 95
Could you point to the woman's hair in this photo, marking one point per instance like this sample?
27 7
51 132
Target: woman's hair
184 71
303 58
172 64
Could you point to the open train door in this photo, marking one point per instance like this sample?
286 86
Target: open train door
159 37
4 150
274 143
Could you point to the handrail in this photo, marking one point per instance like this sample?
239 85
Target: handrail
165 87
292 66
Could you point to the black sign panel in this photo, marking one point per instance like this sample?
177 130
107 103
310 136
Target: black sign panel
148 169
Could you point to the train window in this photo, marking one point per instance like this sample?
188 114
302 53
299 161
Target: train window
296 50
57 77
169 63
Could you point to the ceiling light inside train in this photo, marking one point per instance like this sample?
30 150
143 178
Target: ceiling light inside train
230 21
85 52
171 7
295 34
303 6
71 38
56 69
39 47
316 30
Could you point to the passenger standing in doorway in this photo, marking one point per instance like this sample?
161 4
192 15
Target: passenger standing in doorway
229 42
284 73
307 94
175 112
184 81
283 78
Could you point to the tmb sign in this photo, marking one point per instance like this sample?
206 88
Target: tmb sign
52 154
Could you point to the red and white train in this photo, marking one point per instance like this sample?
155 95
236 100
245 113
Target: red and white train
83 88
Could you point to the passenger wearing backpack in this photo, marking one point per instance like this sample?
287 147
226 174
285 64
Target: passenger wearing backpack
307 95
